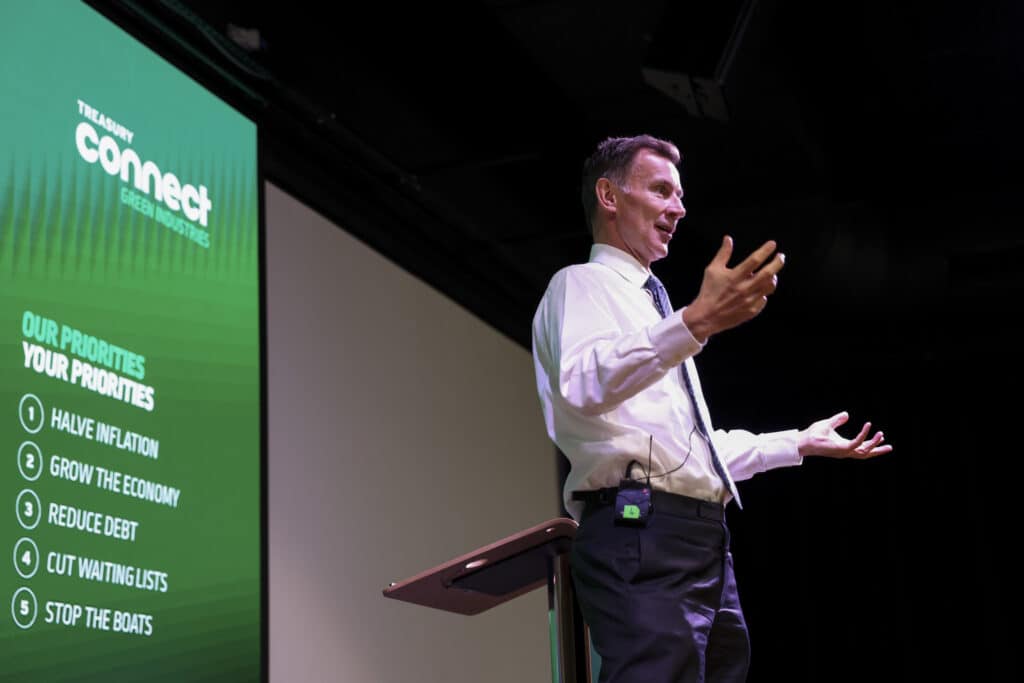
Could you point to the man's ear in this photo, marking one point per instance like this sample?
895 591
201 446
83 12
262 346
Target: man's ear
606 194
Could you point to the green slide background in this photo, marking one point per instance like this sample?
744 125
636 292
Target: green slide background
72 252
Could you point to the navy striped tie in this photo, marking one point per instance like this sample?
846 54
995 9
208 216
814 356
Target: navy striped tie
661 302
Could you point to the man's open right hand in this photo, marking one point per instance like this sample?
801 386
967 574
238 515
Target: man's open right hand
730 296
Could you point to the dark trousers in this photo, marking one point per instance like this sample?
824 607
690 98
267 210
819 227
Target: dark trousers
661 600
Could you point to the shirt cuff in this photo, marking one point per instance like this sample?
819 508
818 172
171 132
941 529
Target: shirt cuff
780 449
673 341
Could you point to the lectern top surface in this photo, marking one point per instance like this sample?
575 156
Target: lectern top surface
489 576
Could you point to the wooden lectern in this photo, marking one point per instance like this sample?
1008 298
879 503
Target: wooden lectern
504 570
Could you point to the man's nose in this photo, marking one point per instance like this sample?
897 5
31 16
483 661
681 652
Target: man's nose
676 209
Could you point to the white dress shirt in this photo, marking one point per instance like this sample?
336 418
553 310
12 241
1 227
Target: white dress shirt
607 368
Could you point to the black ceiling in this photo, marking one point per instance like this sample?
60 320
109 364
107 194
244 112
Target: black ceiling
879 142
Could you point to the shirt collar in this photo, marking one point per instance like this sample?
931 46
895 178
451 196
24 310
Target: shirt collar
622 263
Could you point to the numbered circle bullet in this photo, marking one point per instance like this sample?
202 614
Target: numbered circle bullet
30 412
28 508
30 461
24 607
26 558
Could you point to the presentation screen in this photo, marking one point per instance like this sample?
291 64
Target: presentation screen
130 375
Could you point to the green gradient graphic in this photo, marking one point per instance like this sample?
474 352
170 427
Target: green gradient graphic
74 250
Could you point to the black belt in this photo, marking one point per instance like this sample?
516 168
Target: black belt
669 503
